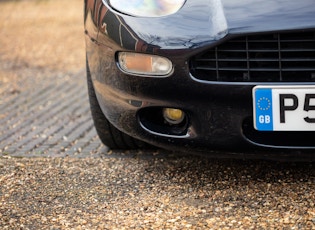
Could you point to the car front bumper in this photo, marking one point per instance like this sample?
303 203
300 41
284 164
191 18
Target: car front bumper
219 114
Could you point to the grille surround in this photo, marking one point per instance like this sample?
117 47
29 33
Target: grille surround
275 57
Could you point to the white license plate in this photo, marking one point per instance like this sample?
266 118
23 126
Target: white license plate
284 108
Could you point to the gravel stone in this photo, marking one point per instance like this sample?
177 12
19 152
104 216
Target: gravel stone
150 191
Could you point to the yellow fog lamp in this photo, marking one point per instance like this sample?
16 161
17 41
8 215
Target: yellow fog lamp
144 64
173 116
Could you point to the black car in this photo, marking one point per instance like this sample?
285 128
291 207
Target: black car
202 74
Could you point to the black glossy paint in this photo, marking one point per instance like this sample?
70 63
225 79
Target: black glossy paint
216 111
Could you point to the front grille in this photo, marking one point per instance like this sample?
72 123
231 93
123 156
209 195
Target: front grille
278 57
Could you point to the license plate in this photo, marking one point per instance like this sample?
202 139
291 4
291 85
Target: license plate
284 108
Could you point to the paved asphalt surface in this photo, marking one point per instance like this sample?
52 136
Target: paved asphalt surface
55 174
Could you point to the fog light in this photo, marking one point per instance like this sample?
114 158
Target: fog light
144 64
173 116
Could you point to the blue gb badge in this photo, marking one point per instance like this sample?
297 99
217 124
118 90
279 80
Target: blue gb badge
263 108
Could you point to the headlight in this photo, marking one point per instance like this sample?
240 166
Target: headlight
147 8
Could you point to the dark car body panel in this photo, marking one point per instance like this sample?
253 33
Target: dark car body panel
216 110
268 15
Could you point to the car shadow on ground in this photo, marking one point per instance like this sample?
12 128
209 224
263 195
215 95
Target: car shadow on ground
189 166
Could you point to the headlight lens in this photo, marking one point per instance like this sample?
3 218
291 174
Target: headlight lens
147 8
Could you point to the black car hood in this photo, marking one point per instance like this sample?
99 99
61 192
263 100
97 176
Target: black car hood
205 21
268 15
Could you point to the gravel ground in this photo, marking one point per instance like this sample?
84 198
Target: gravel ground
59 176
154 191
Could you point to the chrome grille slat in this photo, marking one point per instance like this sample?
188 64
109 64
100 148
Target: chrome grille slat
288 57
